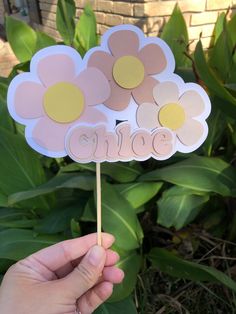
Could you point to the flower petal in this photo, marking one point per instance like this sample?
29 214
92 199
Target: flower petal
50 135
144 92
103 61
165 93
190 133
153 58
28 100
147 116
124 42
94 85
119 98
56 68
192 102
93 116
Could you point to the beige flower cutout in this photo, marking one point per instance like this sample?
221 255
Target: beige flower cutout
177 112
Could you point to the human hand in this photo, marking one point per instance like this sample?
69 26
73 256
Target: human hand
61 280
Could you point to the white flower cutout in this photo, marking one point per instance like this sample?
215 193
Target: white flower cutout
182 108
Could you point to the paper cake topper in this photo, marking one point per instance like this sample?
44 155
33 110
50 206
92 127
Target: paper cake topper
121 102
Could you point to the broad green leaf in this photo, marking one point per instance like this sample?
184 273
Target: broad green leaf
65 20
232 28
43 41
89 213
125 306
228 103
177 267
61 181
200 174
180 209
176 35
86 31
122 172
187 74
219 26
130 263
138 193
4 265
23 223
221 57
119 218
16 244
12 214
6 121
3 199
75 228
59 220
21 37
20 166
217 127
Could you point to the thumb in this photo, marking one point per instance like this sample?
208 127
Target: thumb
87 273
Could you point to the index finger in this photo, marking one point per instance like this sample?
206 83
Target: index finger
62 253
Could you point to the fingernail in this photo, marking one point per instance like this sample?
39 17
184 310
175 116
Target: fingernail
95 255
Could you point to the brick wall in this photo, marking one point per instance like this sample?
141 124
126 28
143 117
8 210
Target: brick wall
150 15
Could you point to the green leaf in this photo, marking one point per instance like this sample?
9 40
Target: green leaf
217 127
61 181
228 103
16 244
138 193
219 26
43 41
11 213
177 267
119 218
23 223
21 37
221 57
130 263
6 121
20 165
89 213
86 31
200 174
65 20
59 219
75 228
177 207
125 306
231 28
120 171
176 35
3 200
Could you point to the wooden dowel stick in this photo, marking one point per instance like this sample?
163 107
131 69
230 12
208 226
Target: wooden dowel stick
99 204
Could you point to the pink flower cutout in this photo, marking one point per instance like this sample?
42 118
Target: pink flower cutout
55 95
129 61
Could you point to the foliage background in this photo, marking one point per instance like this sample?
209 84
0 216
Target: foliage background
174 221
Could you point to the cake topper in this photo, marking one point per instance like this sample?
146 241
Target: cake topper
121 102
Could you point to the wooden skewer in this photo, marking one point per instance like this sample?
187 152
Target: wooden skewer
99 204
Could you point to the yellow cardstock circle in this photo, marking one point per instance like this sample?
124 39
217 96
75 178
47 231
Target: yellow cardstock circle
128 72
172 116
63 102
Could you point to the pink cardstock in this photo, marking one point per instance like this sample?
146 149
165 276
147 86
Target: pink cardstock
121 102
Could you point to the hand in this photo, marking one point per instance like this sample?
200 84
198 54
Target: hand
61 280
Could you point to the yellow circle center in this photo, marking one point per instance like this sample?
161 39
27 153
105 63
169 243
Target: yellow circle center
63 102
172 116
128 72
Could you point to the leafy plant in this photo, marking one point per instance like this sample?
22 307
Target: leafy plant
155 209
